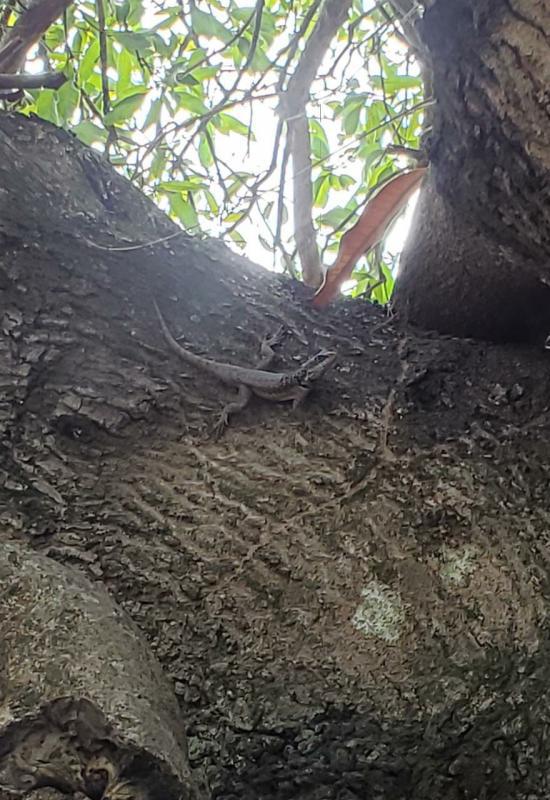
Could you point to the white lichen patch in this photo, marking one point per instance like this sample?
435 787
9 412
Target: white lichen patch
458 564
381 612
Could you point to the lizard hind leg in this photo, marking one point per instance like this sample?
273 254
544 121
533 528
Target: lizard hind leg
267 353
240 402
273 339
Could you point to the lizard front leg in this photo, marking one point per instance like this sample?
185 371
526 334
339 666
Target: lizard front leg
300 394
267 356
236 405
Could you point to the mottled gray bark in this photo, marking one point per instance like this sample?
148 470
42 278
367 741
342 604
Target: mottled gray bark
84 706
350 601
478 259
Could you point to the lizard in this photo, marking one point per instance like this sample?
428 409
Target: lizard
294 385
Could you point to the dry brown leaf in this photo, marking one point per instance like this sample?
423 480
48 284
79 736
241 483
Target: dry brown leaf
369 229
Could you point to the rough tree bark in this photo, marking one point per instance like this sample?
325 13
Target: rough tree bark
84 704
478 263
349 602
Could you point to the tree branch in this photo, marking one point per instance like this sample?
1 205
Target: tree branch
332 17
28 29
304 230
292 107
45 80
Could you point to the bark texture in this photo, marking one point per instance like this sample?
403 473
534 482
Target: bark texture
349 602
478 261
84 705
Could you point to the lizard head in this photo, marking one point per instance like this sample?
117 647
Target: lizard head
316 366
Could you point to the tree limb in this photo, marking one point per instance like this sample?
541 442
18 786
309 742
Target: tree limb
293 108
332 17
304 231
28 29
44 80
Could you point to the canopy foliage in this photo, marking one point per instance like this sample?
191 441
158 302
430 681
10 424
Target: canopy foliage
188 100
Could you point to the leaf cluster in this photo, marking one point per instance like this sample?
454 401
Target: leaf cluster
182 97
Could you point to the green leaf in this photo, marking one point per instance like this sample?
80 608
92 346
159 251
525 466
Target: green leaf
351 119
265 244
121 11
69 15
376 115
236 55
226 123
237 183
211 200
260 62
186 79
136 13
184 211
190 102
76 45
119 159
381 173
346 181
92 85
182 186
131 89
243 13
205 153
158 163
205 73
153 115
160 46
319 141
411 127
130 40
89 133
231 219
238 238
127 138
207 25
369 153
46 106
395 83
333 218
54 36
268 27
125 64
89 61
60 60
361 286
321 188
198 56
125 109
67 101
169 16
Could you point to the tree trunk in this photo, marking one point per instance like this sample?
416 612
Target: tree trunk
349 601
477 262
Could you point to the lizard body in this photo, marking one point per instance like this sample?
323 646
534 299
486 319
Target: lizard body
276 386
